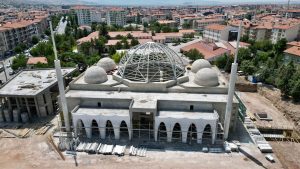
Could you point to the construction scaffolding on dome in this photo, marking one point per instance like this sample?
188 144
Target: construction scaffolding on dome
151 62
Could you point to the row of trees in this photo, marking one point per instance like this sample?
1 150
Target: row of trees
266 61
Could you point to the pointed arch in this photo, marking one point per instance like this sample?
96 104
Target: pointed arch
124 132
162 132
95 129
176 133
109 130
207 134
80 128
192 134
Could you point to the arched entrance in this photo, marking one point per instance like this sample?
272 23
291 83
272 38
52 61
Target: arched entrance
110 130
80 129
95 129
207 135
176 134
124 134
162 132
192 134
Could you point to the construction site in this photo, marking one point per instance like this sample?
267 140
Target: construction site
151 110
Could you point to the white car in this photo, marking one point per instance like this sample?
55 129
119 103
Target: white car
8 65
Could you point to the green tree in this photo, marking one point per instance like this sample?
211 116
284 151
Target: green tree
117 56
85 48
248 67
34 40
285 73
166 29
244 54
194 54
134 42
19 62
280 46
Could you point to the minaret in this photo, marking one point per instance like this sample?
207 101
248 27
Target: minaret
61 87
231 88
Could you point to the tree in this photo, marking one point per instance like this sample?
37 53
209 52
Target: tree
134 42
280 46
47 32
244 54
118 56
166 29
221 61
248 67
194 54
186 25
19 62
34 40
42 49
244 38
283 78
18 49
85 47
263 45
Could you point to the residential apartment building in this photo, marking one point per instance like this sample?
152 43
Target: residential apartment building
14 33
292 54
289 32
116 17
216 33
83 14
199 25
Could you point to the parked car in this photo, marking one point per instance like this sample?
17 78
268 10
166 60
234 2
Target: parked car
11 72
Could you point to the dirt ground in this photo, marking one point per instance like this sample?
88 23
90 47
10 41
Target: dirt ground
288 153
257 103
34 152
287 107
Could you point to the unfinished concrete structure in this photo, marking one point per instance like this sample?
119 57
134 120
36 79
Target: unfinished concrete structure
30 94
151 96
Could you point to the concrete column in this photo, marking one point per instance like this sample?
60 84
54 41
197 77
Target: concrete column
42 105
169 136
199 138
37 107
129 133
28 109
155 134
184 136
49 102
88 131
9 105
117 133
102 132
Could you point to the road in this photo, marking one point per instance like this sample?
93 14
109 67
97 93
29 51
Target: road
62 26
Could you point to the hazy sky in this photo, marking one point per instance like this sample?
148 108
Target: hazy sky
185 2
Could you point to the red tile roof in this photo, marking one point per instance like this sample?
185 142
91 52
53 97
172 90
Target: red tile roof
295 50
35 60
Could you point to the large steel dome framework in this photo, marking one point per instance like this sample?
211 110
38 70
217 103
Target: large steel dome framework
151 62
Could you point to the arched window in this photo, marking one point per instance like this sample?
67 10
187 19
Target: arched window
162 132
207 134
80 129
192 134
109 130
176 134
95 129
124 133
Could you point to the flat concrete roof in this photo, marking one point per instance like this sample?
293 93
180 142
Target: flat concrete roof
147 98
103 112
32 82
188 115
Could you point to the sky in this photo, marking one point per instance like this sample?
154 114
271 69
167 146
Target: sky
186 2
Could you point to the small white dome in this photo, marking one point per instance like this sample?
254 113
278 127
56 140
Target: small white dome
206 77
107 64
200 64
94 75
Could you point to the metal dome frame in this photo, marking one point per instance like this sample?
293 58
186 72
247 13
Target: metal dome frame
151 62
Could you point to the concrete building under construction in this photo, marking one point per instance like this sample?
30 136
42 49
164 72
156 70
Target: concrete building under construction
151 95
30 94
